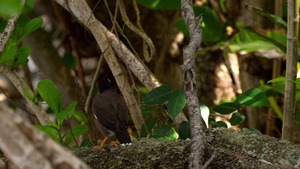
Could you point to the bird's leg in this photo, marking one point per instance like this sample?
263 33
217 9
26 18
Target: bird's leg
102 144
115 143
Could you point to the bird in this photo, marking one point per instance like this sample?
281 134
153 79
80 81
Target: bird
111 113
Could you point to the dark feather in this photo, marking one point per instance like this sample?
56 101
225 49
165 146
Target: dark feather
112 114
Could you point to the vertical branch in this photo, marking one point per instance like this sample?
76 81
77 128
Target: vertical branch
291 72
194 25
189 77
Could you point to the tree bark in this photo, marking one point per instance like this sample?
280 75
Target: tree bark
235 149
28 147
291 70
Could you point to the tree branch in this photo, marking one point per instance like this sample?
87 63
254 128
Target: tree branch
189 76
30 148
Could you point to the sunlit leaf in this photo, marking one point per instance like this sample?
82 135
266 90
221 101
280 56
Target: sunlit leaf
253 97
164 132
204 113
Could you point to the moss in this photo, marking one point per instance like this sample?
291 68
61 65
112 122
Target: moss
234 150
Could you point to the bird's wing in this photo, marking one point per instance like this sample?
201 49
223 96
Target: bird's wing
105 112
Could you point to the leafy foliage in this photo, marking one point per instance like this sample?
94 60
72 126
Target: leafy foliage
49 93
14 54
161 4
213 30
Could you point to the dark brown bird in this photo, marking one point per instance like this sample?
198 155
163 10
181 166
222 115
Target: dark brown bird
111 113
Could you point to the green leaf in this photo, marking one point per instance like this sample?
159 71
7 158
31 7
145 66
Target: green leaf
226 108
275 19
80 116
3 25
176 102
147 111
253 97
184 130
28 6
218 124
204 113
31 26
249 40
78 130
161 4
69 60
280 79
50 94
236 119
164 132
158 95
150 123
8 53
22 55
10 7
50 130
143 90
212 28
27 94
70 110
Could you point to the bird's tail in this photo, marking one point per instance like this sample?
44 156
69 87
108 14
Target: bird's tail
123 136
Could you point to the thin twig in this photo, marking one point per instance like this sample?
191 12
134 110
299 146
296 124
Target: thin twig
14 103
71 129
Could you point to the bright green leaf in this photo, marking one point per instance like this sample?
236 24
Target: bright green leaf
10 7
158 95
22 55
27 94
80 116
77 130
50 94
28 6
164 132
280 79
253 97
204 113
176 102
8 53
184 130
31 26
70 110
236 119
50 130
